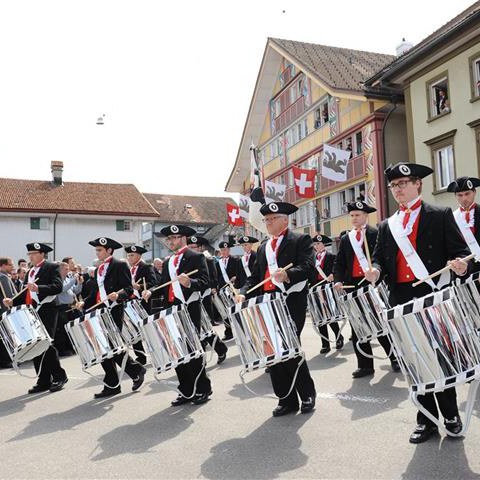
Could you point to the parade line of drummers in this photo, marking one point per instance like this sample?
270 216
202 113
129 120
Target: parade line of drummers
270 289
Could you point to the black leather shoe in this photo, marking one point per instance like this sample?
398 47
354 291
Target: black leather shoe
137 383
221 358
454 425
325 350
282 410
107 392
395 365
267 370
57 385
363 372
180 401
39 388
227 338
422 433
308 405
6 365
200 398
340 342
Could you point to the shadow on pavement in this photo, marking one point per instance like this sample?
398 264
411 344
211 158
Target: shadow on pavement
267 452
261 385
142 436
439 459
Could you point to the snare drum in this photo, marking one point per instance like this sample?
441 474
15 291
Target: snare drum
23 333
468 295
171 338
264 331
206 327
364 309
95 337
324 306
133 316
435 342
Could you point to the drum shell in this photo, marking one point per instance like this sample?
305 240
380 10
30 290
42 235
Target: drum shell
434 341
264 331
206 327
95 337
324 306
133 316
171 338
364 309
23 333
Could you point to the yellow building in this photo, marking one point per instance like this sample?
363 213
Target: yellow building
307 95
440 77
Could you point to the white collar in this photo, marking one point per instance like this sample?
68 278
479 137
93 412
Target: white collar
413 202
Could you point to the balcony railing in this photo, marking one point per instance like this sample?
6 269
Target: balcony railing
290 114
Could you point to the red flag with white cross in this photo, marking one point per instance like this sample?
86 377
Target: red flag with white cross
234 217
304 180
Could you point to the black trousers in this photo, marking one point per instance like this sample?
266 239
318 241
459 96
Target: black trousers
62 341
47 365
324 331
215 342
447 400
194 370
282 374
132 368
362 360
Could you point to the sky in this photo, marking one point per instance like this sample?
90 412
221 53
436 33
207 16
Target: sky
174 79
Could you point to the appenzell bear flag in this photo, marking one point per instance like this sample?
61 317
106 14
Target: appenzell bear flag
335 163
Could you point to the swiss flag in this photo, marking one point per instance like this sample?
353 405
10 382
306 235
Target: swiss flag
234 217
304 181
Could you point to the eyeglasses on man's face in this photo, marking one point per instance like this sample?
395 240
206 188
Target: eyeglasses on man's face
271 219
401 184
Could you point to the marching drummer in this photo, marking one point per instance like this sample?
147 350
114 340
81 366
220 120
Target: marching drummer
112 288
200 244
430 238
323 271
142 276
350 266
194 384
467 215
285 247
228 268
247 260
42 284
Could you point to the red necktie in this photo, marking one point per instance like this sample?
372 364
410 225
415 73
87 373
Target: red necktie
467 212
408 211
171 294
359 235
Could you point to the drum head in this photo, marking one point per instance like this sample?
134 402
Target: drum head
34 350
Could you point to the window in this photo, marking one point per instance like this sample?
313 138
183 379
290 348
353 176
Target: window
351 194
360 193
358 143
438 96
348 144
39 223
277 107
305 128
326 208
475 76
321 114
444 166
305 215
123 225
443 159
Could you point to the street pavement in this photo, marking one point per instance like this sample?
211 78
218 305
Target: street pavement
359 430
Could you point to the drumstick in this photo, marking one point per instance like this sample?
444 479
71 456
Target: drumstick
321 272
103 301
23 290
348 286
283 269
171 281
362 280
444 269
144 284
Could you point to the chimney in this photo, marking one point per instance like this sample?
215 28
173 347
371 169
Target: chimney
403 47
57 170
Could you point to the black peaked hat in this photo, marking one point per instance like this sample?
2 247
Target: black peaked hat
361 207
38 247
403 169
177 230
278 207
196 240
225 245
321 238
105 242
463 184
136 249
246 239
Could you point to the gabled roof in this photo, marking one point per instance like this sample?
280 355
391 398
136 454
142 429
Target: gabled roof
18 195
189 209
338 68
467 17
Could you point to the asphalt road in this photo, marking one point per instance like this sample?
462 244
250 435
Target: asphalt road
359 430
